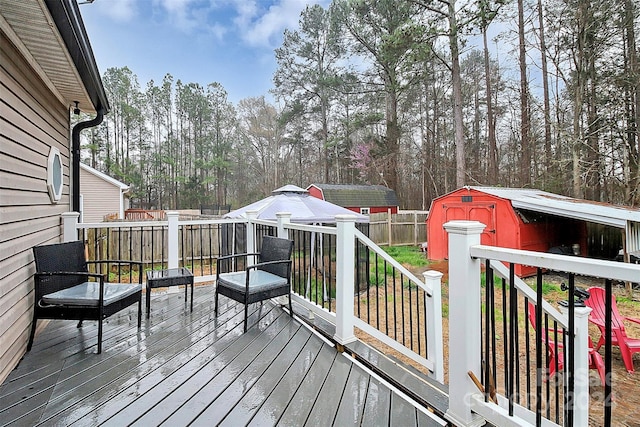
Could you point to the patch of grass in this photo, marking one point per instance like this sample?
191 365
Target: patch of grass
497 281
316 291
410 255
405 255
625 301
547 288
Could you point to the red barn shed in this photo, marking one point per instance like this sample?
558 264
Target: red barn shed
511 219
363 199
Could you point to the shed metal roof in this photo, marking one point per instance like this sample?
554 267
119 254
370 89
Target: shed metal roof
555 204
358 195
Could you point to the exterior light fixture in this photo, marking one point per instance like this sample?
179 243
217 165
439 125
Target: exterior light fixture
76 109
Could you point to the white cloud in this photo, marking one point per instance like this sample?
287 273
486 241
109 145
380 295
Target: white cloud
218 31
263 30
246 10
118 10
184 14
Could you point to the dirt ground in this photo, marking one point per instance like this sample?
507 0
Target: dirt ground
625 386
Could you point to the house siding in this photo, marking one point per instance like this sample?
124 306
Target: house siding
99 198
32 120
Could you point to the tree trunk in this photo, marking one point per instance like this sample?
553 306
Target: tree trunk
632 90
491 122
525 125
457 96
545 94
393 136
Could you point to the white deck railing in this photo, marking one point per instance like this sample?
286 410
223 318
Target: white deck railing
343 317
467 405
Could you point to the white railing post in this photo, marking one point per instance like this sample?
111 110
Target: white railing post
70 226
581 364
433 283
464 321
345 277
283 218
251 235
173 237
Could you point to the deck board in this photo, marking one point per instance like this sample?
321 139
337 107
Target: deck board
298 409
195 368
376 410
252 400
328 399
353 398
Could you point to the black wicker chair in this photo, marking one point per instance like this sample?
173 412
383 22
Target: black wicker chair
270 277
65 289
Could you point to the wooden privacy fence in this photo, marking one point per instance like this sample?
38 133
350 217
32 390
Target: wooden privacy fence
403 228
148 244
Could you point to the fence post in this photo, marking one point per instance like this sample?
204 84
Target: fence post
345 277
433 283
415 227
70 226
389 226
464 321
283 218
581 364
173 239
251 235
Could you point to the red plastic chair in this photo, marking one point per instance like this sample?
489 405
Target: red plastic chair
554 350
628 345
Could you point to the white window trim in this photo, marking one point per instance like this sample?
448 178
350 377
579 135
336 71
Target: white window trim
365 211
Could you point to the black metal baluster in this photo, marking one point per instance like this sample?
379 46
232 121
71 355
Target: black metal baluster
539 372
527 351
375 259
570 373
608 397
393 300
513 320
402 323
505 335
487 337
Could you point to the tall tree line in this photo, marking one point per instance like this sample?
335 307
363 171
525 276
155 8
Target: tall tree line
422 96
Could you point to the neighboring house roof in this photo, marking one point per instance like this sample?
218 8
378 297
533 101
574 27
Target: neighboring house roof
51 36
358 195
303 207
122 186
555 204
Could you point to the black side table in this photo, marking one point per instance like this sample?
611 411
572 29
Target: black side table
166 278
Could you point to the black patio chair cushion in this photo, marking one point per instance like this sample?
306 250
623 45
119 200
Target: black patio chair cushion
65 289
270 277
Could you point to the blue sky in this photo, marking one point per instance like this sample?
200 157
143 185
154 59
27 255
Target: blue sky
197 41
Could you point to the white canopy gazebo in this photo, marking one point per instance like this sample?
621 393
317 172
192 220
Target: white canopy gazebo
304 209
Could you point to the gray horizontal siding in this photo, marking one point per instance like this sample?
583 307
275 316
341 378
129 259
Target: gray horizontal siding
32 120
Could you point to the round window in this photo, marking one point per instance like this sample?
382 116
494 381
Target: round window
54 175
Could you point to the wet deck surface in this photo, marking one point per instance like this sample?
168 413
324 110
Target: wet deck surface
184 368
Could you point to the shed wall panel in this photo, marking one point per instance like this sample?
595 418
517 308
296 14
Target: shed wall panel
99 198
506 227
32 121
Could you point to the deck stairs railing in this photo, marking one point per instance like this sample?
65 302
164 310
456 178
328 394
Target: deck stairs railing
518 382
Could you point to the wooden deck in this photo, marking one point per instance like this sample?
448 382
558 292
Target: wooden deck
185 368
